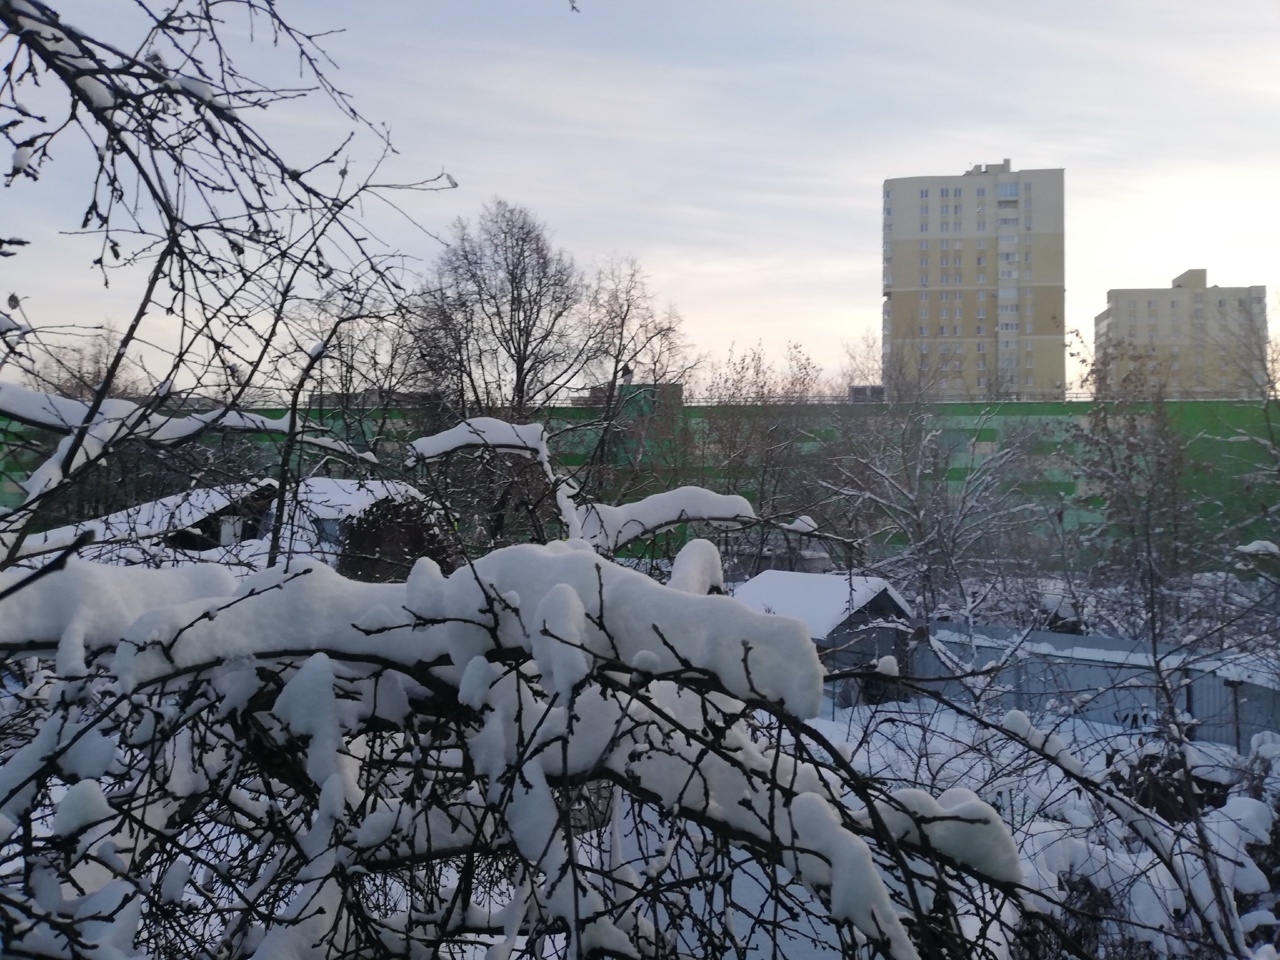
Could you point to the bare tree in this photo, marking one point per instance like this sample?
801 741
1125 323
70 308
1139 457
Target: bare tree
223 236
78 366
634 384
510 307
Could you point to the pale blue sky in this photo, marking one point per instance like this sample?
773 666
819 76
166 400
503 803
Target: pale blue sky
737 147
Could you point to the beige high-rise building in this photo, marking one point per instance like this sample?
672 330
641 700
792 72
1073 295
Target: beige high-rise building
1185 341
973 285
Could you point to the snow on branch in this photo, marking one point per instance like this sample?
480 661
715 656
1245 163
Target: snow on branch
301 736
605 527
526 440
91 431
610 527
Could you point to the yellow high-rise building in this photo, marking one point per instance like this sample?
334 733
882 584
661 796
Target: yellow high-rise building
973 285
1184 342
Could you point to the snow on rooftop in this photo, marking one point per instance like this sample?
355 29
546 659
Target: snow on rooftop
152 519
821 600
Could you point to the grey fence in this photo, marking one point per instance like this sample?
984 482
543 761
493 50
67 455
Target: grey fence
1230 697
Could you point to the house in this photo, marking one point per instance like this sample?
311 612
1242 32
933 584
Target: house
855 621
369 530
199 519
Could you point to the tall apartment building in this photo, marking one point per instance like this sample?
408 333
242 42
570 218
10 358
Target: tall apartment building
1185 341
973 285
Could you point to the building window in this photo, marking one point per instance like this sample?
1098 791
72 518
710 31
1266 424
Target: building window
1008 257
1007 222
955 331
945 192
924 313
1008 190
1026 257
945 314
981 331
886 194
982 294
956 210
922 330
924 244
982 227
924 279
946 244
945 226
980 192
982 381
924 348
924 228
946 207
924 194
924 294
981 347
956 193
981 278
1008 274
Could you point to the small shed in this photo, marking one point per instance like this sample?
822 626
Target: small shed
855 621
197 519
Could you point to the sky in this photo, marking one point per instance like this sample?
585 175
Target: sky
737 148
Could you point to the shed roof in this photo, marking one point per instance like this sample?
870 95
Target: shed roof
152 519
822 600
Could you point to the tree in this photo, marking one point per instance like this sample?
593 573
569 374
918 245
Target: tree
924 503
78 368
635 385
509 307
222 235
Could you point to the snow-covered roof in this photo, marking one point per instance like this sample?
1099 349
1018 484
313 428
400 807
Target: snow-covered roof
152 519
821 600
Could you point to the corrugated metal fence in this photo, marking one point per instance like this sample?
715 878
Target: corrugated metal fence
1231 696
